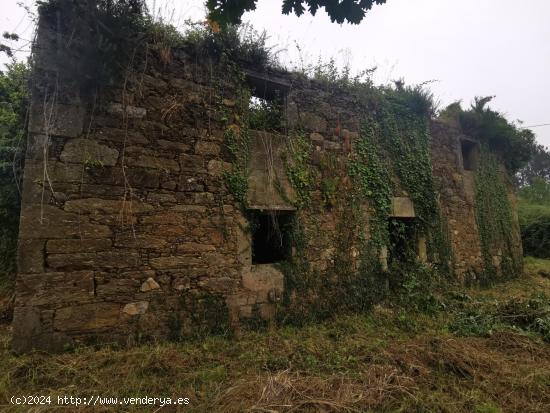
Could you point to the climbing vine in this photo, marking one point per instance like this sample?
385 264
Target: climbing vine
494 220
299 171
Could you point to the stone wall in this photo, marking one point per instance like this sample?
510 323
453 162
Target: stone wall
127 223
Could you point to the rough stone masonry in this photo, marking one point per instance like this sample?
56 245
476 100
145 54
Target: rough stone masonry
125 211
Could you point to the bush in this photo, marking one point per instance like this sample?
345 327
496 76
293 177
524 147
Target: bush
536 238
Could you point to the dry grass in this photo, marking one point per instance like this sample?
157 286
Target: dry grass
350 364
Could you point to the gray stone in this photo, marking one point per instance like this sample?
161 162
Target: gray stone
61 120
132 112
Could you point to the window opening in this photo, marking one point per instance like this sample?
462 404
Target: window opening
270 236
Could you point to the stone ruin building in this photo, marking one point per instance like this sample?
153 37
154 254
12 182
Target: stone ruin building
127 213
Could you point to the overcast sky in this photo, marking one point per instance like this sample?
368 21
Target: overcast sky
471 47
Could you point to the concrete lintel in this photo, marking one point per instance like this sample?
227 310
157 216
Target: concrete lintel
402 207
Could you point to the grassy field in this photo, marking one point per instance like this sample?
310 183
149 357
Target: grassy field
484 351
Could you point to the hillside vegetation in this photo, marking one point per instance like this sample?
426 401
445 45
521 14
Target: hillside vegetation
534 217
481 351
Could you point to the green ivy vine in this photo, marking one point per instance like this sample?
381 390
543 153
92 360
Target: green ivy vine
494 219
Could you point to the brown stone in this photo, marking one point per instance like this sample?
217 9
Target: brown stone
164 218
99 260
220 284
140 241
207 148
50 222
153 162
149 285
67 246
262 279
137 308
191 162
173 261
173 146
54 288
107 206
87 317
89 152
30 256
194 247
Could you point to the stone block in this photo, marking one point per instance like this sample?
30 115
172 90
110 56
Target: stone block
62 120
153 162
148 285
28 326
181 283
89 152
262 279
145 241
221 285
174 261
313 122
207 148
67 246
30 256
55 288
173 146
136 308
194 247
50 222
121 136
316 138
107 206
402 207
190 184
172 218
87 317
100 260
131 112
217 168
191 162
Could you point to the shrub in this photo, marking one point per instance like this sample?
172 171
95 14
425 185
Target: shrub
536 238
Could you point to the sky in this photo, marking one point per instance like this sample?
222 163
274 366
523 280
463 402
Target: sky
468 47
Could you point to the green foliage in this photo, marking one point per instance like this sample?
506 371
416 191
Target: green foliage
529 315
494 218
515 145
238 143
537 192
199 316
534 217
537 168
225 12
414 286
236 43
13 110
298 169
536 238
266 115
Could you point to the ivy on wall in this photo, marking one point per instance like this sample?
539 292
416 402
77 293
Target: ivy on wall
494 220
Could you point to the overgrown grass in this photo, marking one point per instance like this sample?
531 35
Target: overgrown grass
390 360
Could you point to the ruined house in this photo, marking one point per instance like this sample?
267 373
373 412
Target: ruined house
155 205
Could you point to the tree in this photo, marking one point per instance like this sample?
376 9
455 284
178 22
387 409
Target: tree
537 167
224 12
13 109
